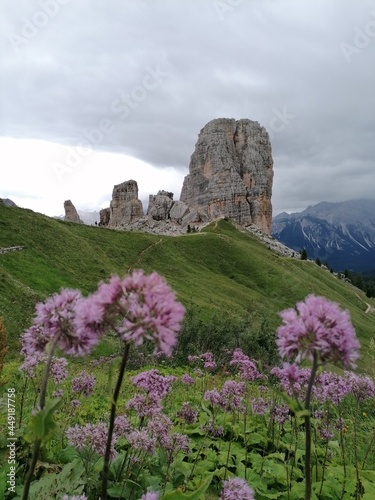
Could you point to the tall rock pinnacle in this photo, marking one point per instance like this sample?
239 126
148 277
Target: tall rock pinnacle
71 214
231 173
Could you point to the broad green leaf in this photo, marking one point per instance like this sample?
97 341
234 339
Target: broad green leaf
42 423
195 495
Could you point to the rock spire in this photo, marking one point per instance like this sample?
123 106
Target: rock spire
71 214
231 173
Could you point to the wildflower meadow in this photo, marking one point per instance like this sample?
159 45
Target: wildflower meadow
216 426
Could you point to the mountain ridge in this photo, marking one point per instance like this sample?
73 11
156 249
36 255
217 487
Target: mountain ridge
342 233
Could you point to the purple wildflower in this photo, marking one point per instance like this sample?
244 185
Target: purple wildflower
236 489
259 406
208 358
154 383
144 406
187 379
58 369
317 326
159 427
280 413
187 413
213 396
331 387
137 307
248 370
54 321
140 440
92 436
84 383
152 495
292 378
58 394
211 430
30 363
122 425
361 386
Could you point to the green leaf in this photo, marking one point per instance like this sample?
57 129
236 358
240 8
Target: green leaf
206 410
42 423
195 495
69 480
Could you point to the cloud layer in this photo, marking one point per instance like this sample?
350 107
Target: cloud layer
140 78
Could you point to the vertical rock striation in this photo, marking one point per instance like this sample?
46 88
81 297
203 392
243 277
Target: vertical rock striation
231 173
125 206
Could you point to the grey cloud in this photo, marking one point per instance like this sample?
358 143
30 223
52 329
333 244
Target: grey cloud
251 60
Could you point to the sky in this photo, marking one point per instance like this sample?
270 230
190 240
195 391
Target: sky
97 92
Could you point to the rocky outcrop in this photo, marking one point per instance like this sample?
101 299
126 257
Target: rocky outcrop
71 214
125 206
7 202
231 173
104 216
159 205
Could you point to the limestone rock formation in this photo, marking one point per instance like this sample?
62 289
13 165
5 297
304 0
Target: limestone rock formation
231 173
104 215
71 214
125 206
160 205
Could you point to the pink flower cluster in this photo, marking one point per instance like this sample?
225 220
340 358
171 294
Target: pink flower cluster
187 379
236 489
317 326
361 386
248 370
293 379
187 413
84 384
137 307
331 387
54 322
156 386
229 398
207 358
94 436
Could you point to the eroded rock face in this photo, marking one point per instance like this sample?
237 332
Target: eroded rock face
231 173
104 216
71 214
160 205
125 206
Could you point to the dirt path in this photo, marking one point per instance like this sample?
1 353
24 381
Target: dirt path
370 309
140 255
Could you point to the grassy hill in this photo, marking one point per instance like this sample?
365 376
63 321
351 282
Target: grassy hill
219 269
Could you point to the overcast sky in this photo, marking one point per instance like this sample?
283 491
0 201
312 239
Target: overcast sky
96 92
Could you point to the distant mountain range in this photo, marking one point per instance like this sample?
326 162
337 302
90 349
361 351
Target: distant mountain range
343 234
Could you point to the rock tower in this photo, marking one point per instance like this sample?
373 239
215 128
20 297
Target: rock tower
125 206
71 214
231 173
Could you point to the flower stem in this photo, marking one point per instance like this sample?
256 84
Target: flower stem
42 402
112 421
308 429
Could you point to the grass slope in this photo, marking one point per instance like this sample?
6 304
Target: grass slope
220 269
